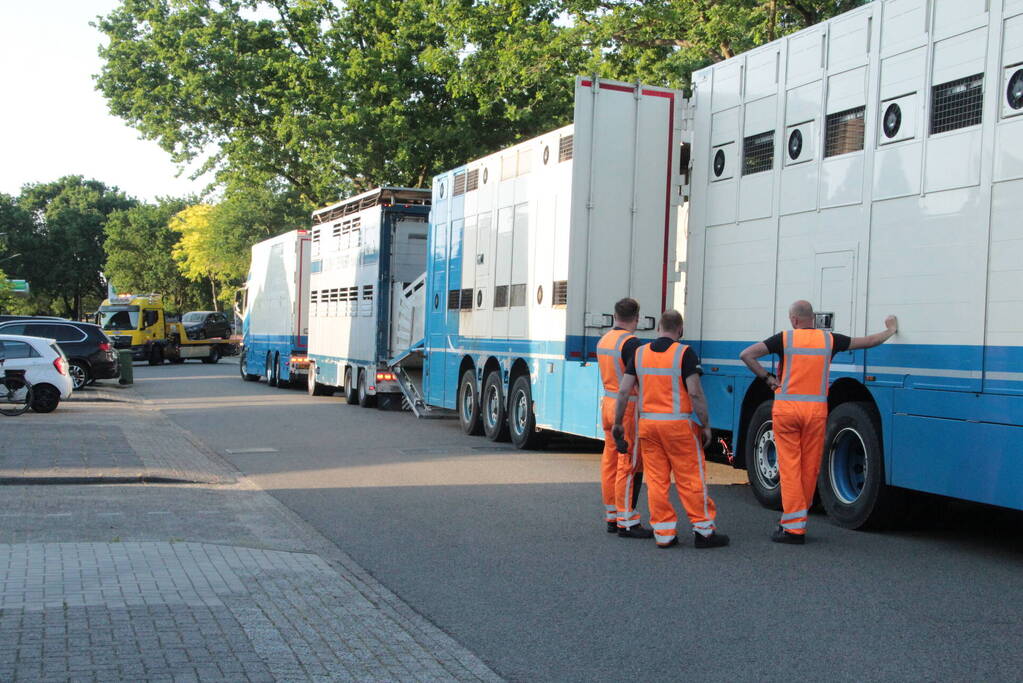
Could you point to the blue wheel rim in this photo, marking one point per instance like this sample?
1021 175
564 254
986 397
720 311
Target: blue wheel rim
848 465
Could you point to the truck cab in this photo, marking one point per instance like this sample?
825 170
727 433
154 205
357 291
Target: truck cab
134 322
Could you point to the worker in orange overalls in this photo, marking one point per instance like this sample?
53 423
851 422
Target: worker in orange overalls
621 474
670 402
800 412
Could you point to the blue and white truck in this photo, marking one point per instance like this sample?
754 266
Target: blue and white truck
274 309
367 253
530 248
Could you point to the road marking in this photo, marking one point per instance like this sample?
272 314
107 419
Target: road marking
241 451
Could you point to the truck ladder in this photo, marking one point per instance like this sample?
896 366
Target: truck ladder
414 399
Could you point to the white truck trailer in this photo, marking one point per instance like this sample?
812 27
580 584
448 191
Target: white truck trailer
366 250
529 250
872 164
274 308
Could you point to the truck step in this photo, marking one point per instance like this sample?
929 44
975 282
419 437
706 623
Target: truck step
414 400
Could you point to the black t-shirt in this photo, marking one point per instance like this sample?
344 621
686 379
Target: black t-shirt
690 361
776 344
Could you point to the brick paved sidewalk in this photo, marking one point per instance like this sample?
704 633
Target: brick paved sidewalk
213 581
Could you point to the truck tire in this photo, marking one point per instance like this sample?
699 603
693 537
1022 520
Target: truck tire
351 391
494 409
315 388
271 370
365 399
214 356
762 458
852 480
469 404
246 377
521 419
156 355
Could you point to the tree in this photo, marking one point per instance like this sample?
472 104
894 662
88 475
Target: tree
6 293
138 247
61 246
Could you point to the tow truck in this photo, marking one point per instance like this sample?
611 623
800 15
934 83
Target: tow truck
140 323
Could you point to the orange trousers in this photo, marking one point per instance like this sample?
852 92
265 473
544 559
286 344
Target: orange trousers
618 470
799 440
674 448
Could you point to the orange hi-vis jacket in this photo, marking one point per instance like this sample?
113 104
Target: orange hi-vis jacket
806 370
609 360
662 395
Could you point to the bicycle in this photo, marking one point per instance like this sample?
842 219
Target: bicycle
15 392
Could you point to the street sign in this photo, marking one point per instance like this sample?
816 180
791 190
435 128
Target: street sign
20 286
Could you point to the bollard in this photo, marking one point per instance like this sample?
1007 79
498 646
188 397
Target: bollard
124 361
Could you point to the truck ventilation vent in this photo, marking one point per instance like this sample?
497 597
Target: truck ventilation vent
565 147
559 295
501 296
367 292
957 104
518 295
844 132
459 184
454 299
472 180
758 153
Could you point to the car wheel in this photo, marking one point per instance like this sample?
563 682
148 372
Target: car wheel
762 458
521 419
45 398
351 391
469 404
366 400
495 414
214 356
852 481
156 355
80 375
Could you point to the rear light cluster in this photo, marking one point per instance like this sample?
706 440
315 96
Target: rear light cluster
104 346
58 363
385 377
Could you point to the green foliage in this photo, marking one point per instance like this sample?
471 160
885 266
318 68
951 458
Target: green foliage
7 298
138 248
61 245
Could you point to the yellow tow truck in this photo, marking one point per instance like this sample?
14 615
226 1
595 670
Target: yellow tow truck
139 323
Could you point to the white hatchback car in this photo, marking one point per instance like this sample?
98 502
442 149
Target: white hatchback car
45 367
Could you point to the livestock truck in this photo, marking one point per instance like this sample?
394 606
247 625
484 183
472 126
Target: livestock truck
872 163
274 309
529 249
367 253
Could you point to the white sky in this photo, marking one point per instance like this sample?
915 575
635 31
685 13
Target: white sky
52 120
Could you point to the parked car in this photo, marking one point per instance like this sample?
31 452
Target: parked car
206 325
89 351
9 316
45 366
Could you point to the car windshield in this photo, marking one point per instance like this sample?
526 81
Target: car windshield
119 318
192 317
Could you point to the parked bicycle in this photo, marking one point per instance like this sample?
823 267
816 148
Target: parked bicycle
15 392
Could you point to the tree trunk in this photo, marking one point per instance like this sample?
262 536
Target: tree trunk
213 289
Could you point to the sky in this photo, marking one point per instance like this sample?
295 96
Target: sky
52 120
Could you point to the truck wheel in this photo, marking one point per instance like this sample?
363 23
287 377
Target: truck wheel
214 356
315 388
271 370
351 392
495 413
242 369
469 404
852 483
762 458
156 355
365 399
521 419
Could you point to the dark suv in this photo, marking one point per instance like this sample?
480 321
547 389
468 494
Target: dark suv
90 354
206 325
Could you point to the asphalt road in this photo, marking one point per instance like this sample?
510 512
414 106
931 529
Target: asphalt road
506 551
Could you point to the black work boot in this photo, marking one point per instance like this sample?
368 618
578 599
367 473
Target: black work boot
637 531
782 536
715 540
612 527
